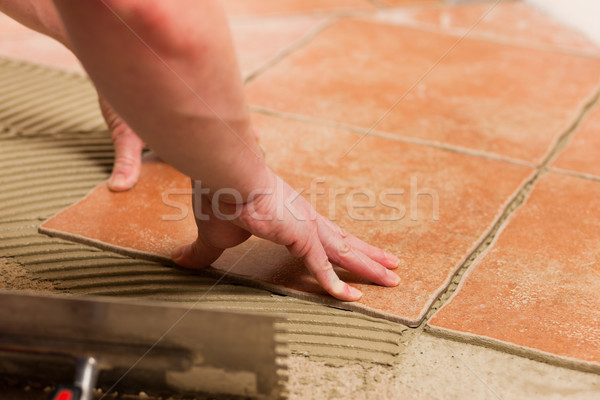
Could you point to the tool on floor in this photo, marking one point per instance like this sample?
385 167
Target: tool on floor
133 346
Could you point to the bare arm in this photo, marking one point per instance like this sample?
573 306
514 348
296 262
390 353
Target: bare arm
169 69
42 16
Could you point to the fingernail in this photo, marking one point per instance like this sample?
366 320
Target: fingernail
392 278
177 253
118 181
354 293
393 259
339 287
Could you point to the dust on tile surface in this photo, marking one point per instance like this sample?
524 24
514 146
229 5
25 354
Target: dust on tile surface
513 21
583 152
355 71
539 284
409 181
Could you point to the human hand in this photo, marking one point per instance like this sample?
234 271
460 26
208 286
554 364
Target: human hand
128 150
295 224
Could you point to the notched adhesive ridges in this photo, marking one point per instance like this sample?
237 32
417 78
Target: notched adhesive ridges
42 173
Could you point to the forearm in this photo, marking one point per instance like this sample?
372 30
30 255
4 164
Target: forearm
39 15
169 69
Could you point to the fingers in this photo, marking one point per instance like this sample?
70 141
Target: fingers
128 161
375 253
196 255
317 263
128 150
352 259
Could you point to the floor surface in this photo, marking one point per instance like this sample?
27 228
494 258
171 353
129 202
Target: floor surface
429 90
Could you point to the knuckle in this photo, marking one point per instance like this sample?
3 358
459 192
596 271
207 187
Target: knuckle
126 160
323 268
301 247
344 249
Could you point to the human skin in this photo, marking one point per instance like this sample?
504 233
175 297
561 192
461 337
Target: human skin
42 16
169 69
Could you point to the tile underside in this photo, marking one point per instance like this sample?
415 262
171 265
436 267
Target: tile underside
142 222
538 285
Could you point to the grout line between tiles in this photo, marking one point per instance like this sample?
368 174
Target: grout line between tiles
518 200
386 135
294 46
575 174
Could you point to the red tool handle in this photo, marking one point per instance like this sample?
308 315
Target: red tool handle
65 392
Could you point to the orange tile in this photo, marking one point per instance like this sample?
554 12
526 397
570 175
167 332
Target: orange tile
259 40
583 152
266 7
538 287
407 177
490 97
393 3
512 20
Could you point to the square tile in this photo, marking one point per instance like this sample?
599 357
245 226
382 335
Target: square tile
259 40
515 21
583 152
495 98
428 206
538 286
269 7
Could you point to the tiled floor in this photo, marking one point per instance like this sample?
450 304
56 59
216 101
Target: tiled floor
431 207
404 82
237 8
470 107
539 284
583 153
509 21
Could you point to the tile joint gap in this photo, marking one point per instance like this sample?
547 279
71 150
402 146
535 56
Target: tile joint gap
293 47
517 201
389 136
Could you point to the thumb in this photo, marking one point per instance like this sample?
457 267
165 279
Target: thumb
196 255
128 161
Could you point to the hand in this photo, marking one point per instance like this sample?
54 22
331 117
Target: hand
128 150
297 226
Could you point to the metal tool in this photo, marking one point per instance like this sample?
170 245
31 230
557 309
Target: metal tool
139 345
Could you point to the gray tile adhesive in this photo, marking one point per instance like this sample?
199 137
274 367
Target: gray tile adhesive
54 148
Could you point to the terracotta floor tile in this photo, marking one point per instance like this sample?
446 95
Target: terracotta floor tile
485 96
258 40
267 7
583 152
539 285
512 20
408 2
304 153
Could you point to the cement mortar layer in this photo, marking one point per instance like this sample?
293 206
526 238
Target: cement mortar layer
41 175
